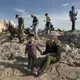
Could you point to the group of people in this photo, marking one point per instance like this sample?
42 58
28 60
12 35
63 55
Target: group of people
51 52
52 45
34 27
51 49
35 23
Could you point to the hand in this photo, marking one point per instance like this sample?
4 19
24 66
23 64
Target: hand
76 12
41 53
44 20
31 26
75 18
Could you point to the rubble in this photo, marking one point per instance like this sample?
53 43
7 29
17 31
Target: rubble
11 50
68 68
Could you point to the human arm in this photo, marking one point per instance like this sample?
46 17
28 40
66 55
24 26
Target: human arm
76 13
38 48
26 50
47 19
31 26
70 15
35 20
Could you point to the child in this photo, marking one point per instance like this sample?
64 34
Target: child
31 47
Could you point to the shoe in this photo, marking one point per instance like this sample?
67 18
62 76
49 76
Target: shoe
35 72
41 72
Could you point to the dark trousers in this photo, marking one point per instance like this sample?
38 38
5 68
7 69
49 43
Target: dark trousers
48 27
31 61
21 34
12 33
35 29
73 25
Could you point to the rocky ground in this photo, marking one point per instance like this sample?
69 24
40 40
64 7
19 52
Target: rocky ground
13 64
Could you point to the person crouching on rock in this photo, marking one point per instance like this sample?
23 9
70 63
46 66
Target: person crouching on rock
11 30
31 47
52 54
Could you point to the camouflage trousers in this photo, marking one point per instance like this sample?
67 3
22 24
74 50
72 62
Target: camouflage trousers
12 33
47 61
21 34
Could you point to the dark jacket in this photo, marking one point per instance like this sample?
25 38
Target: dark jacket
20 22
31 48
35 19
72 15
53 49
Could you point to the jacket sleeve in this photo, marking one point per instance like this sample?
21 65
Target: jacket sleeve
70 15
26 49
35 20
38 48
75 14
21 22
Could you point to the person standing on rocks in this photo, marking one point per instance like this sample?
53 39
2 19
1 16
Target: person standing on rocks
34 25
73 18
48 23
30 49
20 28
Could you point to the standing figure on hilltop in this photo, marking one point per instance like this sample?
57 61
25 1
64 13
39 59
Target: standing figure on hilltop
73 15
20 28
34 25
48 23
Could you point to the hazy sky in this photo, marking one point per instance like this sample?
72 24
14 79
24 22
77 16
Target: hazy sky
58 11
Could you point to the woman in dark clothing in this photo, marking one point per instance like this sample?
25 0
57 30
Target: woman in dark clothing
52 52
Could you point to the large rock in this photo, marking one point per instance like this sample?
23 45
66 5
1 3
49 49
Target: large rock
69 38
64 48
68 68
11 50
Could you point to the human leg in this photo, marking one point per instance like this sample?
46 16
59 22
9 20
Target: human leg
29 62
73 25
48 61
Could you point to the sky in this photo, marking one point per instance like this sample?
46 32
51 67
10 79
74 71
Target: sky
58 11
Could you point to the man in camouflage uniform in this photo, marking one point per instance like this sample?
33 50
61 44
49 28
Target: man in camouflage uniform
20 28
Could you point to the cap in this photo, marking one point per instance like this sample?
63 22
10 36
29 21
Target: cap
46 14
16 15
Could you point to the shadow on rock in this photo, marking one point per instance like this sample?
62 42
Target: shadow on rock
21 59
20 64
